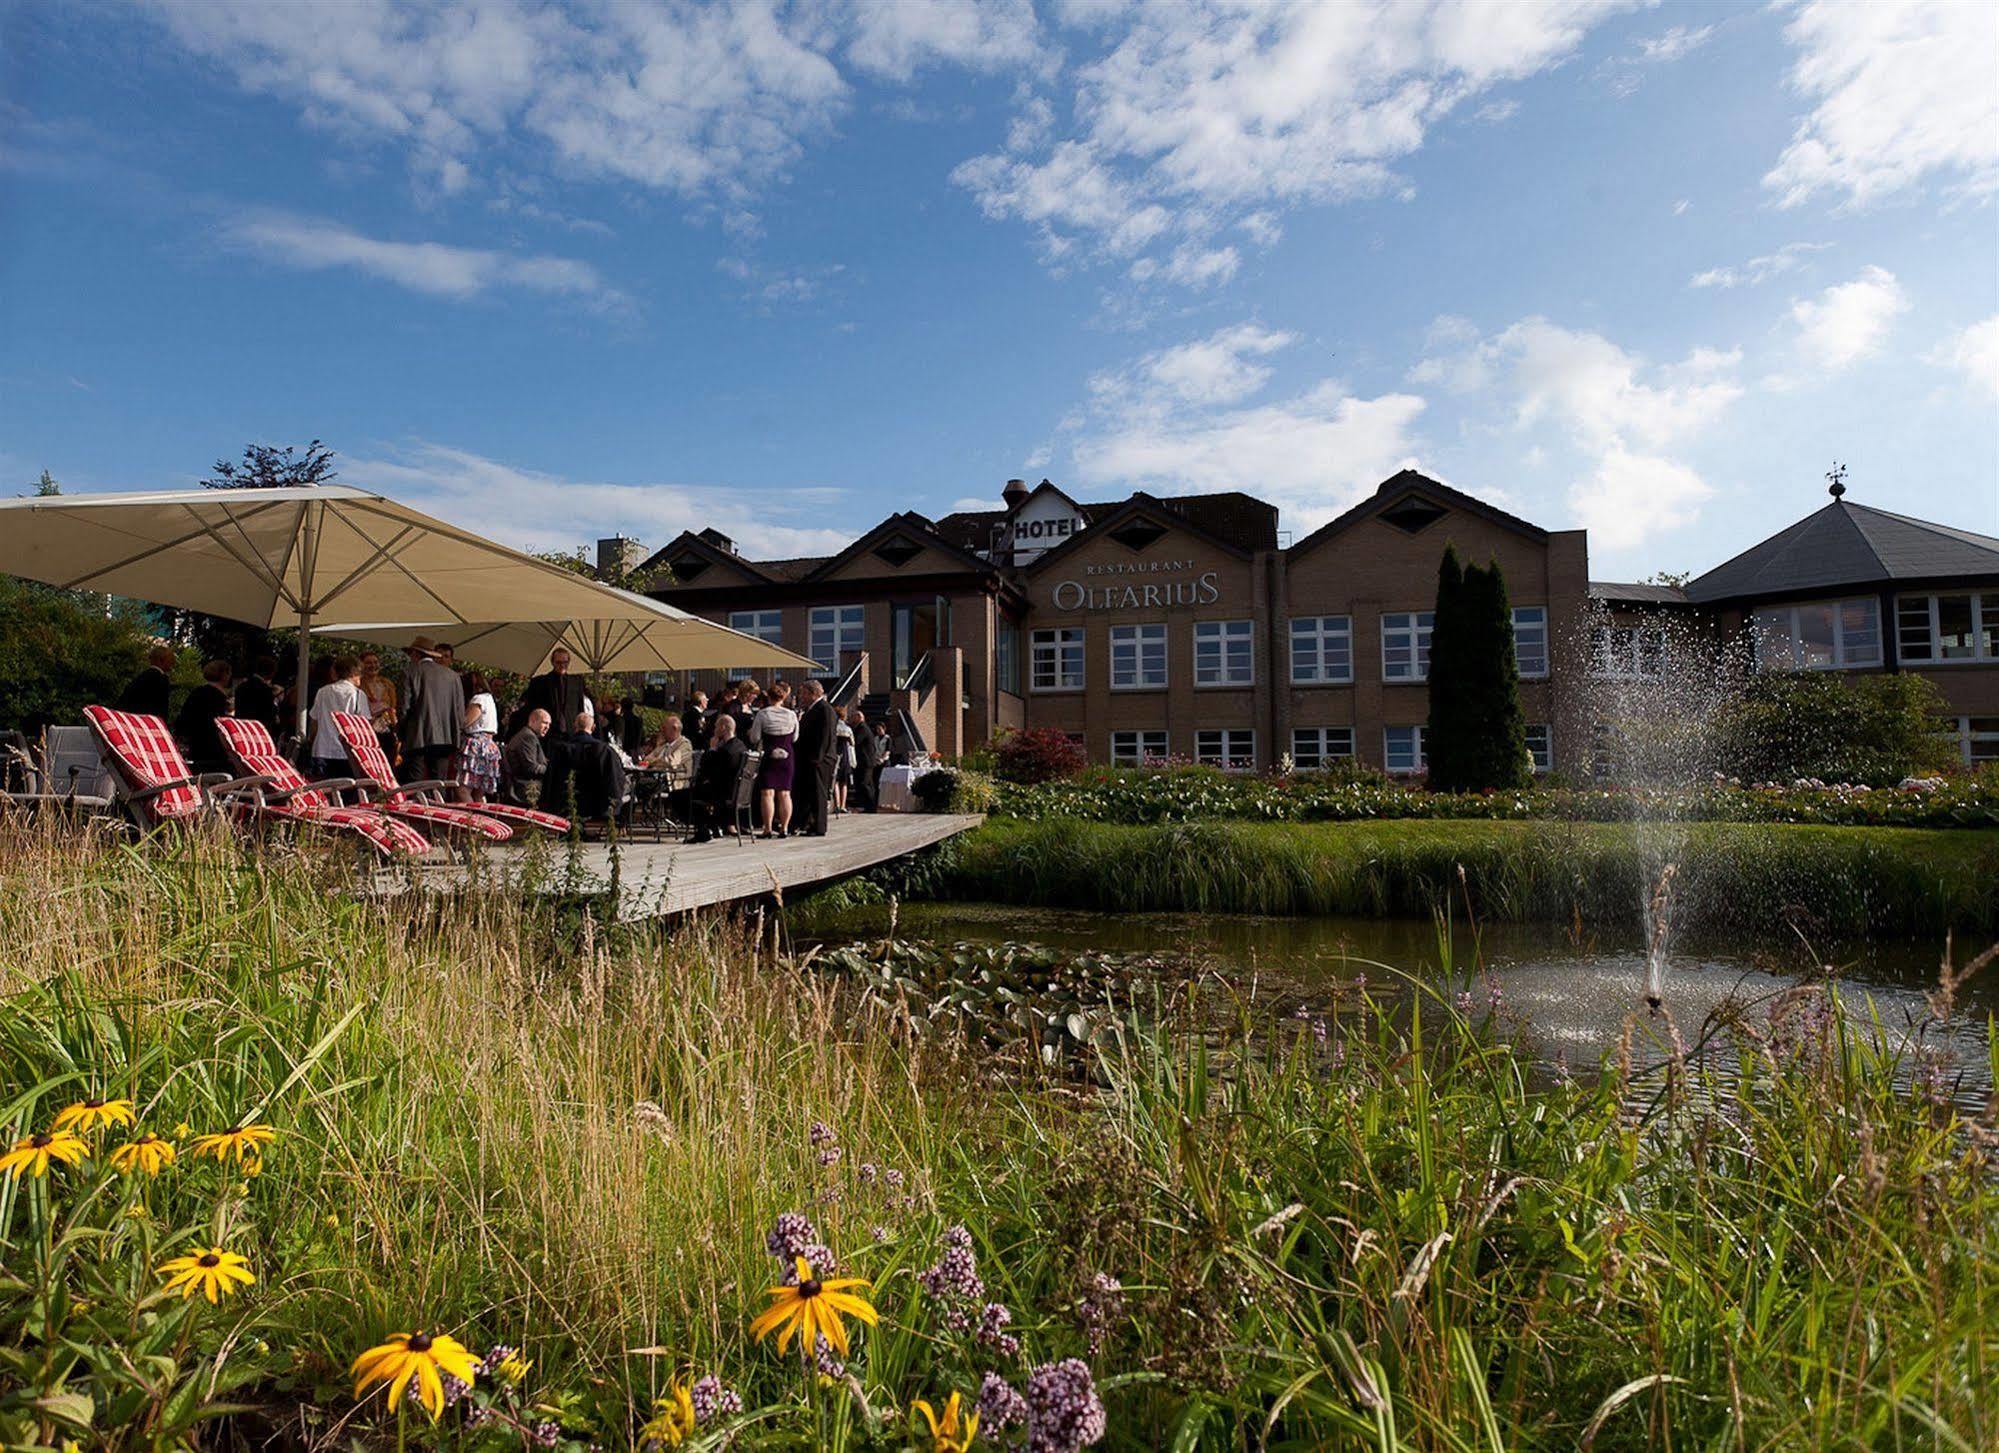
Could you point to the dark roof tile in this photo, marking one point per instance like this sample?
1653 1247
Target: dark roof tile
1847 544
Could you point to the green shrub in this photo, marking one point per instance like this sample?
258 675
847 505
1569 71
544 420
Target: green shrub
62 650
1875 729
1040 754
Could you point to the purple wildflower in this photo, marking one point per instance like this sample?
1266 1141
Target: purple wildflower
454 1389
868 1172
711 1400
791 1236
956 1273
822 1356
994 1318
1102 1302
1064 1413
1000 1406
496 1355
822 1134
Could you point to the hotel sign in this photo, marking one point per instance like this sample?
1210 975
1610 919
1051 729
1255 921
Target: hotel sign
1104 588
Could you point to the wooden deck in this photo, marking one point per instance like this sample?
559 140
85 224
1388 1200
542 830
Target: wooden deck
656 880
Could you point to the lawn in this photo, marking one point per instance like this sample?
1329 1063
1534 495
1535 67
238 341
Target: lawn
572 1150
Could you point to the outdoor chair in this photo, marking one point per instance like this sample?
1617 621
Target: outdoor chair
151 778
73 767
290 795
423 801
742 801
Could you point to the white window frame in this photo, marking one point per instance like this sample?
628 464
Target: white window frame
1977 738
1138 657
1530 623
1313 748
1785 619
1139 745
765 625
1406 631
1233 749
1217 647
844 628
1055 647
1321 637
1544 755
1421 760
1927 615
1627 652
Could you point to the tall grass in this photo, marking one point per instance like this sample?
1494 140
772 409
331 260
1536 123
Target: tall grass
504 1121
1747 878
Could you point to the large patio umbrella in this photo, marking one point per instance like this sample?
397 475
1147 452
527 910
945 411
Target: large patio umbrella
287 557
647 635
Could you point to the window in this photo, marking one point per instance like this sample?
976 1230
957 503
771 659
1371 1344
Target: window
1321 649
1944 628
1316 747
1233 749
1006 657
1825 635
1223 654
1138 657
1058 659
1405 646
836 631
1136 749
1530 639
1627 653
765 625
1541 746
1402 749
1977 738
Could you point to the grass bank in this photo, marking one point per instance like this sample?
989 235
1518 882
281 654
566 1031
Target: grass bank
496 1121
1732 877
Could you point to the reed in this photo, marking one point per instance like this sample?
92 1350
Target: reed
1378 1231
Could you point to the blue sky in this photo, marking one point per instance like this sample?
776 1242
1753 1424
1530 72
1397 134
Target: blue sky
555 271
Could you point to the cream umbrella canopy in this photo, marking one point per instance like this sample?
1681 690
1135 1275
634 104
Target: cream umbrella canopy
649 635
288 557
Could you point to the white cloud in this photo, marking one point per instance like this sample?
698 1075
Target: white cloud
1900 92
1974 352
898 39
315 243
1179 419
1210 112
1848 321
1674 44
1621 414
1494 112
1757 269
531 509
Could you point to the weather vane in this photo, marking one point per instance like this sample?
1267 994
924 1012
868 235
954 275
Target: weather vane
1836 480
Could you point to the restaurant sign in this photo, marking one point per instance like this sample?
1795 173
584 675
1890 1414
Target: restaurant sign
1109 587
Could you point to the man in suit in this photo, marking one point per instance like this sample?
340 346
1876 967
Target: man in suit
257 698
696 721
867 761
147 692
818 752
433 714
556 692
527 760
715 778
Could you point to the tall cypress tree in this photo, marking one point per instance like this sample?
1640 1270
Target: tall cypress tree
1495 749
1450 649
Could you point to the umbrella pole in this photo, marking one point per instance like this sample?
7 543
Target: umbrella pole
308 558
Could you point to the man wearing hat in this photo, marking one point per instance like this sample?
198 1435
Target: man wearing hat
433 719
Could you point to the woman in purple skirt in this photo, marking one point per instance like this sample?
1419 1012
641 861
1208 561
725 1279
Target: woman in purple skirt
774 731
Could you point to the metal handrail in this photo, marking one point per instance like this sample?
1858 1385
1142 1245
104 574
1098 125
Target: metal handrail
848 687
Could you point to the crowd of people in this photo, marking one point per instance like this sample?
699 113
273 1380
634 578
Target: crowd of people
786 759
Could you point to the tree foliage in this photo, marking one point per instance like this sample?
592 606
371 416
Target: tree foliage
1871 729
61 650
266 466
1476 740
1038 754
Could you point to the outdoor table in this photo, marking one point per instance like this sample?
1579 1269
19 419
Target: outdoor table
651 786
896 783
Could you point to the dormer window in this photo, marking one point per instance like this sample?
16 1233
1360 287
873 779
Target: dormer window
898 552
1413 514
1138 535
689 568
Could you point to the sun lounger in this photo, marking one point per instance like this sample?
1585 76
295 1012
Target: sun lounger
290 795
424 801
151 779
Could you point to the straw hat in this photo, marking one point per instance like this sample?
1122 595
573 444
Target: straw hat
423 646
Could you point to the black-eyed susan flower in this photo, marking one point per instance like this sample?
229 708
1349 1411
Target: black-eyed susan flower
952 1433
672 1420
420 1357
147 1154
813 1309
32 1153
86 1115
214 1273
245 1143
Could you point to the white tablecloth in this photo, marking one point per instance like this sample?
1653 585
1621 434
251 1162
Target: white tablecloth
895 784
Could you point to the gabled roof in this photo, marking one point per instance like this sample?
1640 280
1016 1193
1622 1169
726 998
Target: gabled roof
908 522
1239 520
1408 483
1161 511
687 542
1847 544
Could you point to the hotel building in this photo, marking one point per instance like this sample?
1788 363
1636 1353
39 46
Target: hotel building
1188 626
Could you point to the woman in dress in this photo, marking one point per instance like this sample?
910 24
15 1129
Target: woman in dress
843 761
381 694
774 732
479 754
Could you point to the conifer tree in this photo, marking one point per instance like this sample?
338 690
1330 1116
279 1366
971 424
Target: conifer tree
1444 736
1495 748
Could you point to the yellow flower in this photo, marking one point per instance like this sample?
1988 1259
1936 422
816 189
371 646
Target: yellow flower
513 1370
812 1309
953 1433
183 1130
672 1420
148 1153
86 1115
421 1356
214 1273
32 1153
245 1142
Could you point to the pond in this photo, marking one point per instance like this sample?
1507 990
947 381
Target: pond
1569 995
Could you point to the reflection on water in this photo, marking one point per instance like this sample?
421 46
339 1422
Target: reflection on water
1572 994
